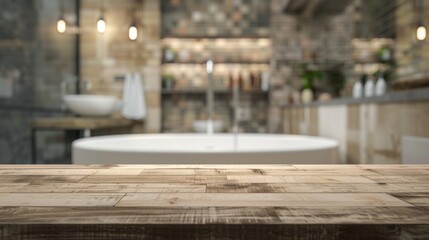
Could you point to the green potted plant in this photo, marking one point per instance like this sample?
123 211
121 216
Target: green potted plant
168 80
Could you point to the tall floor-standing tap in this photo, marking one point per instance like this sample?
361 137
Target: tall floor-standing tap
235 104
209 95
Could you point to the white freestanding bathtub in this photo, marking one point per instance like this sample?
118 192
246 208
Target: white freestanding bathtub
205 149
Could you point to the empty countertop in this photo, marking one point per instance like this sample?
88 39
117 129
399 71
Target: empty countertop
191 201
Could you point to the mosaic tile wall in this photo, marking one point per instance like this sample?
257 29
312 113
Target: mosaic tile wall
215 18
17 50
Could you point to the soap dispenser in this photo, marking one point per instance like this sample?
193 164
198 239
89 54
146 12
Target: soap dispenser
369 88
357 89
380 86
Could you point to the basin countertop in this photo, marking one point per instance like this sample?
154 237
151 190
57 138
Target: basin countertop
80 122
197 201
414 95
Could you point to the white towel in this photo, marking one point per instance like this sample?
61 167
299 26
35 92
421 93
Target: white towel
134 105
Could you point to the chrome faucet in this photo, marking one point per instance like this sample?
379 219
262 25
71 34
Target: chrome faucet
235 104
209 95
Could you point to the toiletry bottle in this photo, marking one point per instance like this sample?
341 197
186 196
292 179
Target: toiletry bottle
240 81
265 81
169 55
252 81
380 86
357 89
230 81
369 88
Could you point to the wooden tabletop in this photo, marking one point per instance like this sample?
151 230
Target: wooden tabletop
79 123
214 194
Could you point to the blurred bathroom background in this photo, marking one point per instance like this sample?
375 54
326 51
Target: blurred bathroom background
298 65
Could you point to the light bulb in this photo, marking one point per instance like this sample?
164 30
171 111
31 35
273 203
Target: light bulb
132 32
101 25
61 25
421 33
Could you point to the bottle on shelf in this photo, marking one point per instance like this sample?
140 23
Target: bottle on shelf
247 82
380 86
357 89
252 81
240 81
369 88
230 81
169 54
265 81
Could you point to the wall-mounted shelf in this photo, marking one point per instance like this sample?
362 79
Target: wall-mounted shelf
223 62
241 53
214 37
310 8
373 62
203 92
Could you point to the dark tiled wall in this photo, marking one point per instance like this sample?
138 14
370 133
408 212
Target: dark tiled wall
14 141
18 25
17 33
34 59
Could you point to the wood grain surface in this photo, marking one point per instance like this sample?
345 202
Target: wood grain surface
79 123
214 201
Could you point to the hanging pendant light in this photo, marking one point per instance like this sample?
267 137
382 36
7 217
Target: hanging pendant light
101 23
421 30
132 31
61 23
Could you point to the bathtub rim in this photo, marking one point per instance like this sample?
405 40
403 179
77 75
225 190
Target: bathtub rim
330 144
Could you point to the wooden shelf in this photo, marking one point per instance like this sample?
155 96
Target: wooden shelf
223 62
79 123
203 92
372 63
213 37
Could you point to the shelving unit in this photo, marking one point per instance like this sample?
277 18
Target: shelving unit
213 36
367 59
203 92
163 62
187 96
235 37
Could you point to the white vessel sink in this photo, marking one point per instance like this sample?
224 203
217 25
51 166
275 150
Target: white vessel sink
200 126
91 105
